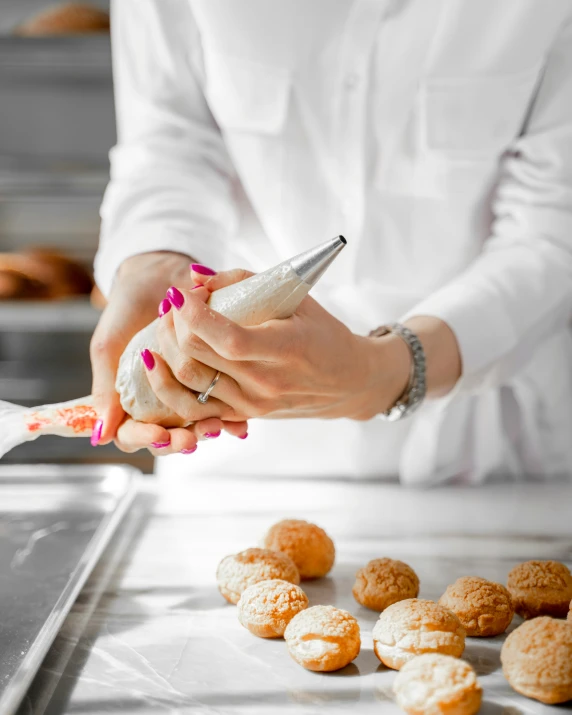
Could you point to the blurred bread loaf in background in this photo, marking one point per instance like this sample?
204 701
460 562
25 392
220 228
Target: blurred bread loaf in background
15 285
42 274
70 18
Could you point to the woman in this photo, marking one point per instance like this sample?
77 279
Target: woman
437 137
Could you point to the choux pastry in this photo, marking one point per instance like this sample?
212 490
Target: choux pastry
267 607
323 638
537 660
540 588
412 627
434 684
484 608
237 572
383 582
309 547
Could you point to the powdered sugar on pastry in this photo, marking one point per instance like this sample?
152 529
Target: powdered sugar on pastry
237 572
537 660
483 607
266 608
434 684
383 582
308 545
414 626
540 588
323 638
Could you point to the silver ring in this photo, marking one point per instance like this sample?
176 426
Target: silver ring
204 396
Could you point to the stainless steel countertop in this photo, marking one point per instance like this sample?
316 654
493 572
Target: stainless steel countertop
161 638
54 524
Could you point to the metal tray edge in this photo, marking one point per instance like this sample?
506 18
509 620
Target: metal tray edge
16 691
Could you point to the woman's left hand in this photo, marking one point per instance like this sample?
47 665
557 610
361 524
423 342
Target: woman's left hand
308 365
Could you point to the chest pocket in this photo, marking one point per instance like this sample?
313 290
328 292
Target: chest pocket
245 96
474 118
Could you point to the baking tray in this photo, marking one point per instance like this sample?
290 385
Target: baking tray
55 522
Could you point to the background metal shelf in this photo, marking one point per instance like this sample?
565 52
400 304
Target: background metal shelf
81 56
68 316
44 183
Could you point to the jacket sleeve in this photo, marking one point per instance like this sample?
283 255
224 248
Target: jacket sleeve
518 292
171 185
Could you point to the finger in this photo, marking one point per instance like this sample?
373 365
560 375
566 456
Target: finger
105 351
182 440
165 305
177 397
192 372
229 340
200 273
209 429
132 435
194 347
219 280
236 429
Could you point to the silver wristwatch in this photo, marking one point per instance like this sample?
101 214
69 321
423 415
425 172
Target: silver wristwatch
415 390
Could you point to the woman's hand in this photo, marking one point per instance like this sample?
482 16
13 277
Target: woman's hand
140 285
308 365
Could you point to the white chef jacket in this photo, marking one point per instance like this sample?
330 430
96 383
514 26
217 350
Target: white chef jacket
436 135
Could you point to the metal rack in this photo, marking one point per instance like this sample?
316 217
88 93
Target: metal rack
56 128
57 118
68 316
75 56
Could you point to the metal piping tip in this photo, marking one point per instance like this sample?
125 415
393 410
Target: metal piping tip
311 265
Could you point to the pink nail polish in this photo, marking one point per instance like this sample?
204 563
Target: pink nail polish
164 307
203 270
148 359
175 297
160 445
243 436
212 435
195 287
188 451
96 433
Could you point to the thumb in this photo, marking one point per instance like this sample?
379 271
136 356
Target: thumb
117 325
105 352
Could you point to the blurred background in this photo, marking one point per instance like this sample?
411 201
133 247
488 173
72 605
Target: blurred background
56 128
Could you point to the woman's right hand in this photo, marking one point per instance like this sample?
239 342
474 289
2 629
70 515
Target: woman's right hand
139 287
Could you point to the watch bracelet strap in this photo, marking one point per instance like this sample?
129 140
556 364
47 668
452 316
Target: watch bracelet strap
416 389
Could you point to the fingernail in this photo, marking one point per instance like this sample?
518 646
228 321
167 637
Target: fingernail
203 270
212 435
96 433
164 307
188 451
160 445
176 297
243 436
148 359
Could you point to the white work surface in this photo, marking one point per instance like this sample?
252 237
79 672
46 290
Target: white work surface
158 638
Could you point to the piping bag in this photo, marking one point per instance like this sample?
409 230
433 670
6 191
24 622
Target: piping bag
273 294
